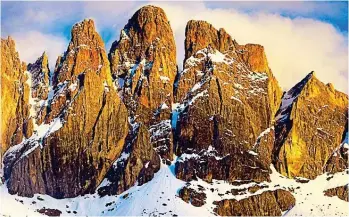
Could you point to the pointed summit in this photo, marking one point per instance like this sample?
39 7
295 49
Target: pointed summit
298 122
147 25
40 73
143 64
199 34
86 50
80 129
84 33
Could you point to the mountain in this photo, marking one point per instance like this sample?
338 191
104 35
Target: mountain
40 73
233 97
310 111
143 63
83 129
127 133
15 109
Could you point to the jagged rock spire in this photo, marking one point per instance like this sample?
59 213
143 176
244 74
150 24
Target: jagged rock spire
200 34
40 75
309 127
83 128
143 63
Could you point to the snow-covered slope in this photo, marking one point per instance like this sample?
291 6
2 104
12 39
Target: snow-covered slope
159 197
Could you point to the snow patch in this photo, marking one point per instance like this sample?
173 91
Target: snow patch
164 106
164 79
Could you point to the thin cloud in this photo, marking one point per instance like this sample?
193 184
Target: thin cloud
31 45
294 47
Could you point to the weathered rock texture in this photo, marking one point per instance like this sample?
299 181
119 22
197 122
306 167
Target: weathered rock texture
338 161
228 98
269 203
143 63
137 163
40 75
40 86
193 197
16 124
309 126
68 133
84 126
341 192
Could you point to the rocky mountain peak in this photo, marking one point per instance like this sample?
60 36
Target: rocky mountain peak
74 123
143 64
40 76
146 33
108 125
222 85
200 34
311 86
84 33
86 49
298 120
254 56
9 43
147 22
44 58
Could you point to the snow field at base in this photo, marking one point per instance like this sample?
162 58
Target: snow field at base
160 197
157 197
310 197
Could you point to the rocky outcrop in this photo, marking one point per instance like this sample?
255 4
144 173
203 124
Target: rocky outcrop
50 212
191 196
137 163
338 161
341 192
83 130
40 75
228 98
309 126
40 86
16 124
268 203
143 64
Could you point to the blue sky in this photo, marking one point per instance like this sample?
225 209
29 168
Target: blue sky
39 26
17 16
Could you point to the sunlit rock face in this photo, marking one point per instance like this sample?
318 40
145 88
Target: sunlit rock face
219 135
143 64
81 129
228 97
309 128
16 124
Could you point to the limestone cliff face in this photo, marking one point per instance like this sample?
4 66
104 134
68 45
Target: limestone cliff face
228 98
137 164
309 127
143 63
16 124
84 126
